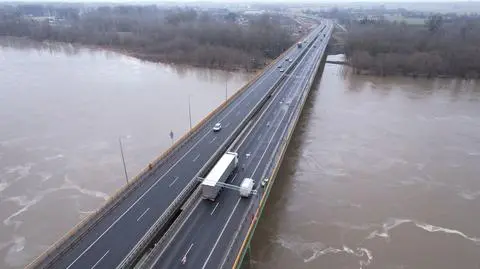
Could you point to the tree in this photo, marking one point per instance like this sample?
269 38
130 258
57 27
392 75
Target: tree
434 23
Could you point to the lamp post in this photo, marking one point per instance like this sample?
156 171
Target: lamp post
226 87
189 112
123 158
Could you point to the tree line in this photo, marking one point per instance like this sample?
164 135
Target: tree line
176 35
441 47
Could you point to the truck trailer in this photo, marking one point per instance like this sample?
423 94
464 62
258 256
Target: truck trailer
212 184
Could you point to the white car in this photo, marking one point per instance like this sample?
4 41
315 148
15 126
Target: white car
281 69
217 127
264 182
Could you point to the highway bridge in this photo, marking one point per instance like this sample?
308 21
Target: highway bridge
159 220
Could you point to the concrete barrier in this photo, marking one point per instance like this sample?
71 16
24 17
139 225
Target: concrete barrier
69 239
143 243
146 239
251 229
186 192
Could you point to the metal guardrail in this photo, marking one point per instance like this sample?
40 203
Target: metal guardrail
187 191
251 225
244 225
68 240
244 123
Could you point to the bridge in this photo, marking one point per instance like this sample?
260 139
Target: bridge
159 219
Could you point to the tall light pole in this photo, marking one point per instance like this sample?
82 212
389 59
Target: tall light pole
123 158
226 87
189 112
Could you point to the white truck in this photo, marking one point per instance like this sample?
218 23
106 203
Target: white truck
246 187
212 184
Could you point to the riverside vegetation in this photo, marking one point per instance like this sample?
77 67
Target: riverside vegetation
442 47
214 39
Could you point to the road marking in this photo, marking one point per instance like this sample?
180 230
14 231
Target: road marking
173 182
214 209
184 258
267 73
144 212
100 259
228 124
221 233
211 141
196 158
234 177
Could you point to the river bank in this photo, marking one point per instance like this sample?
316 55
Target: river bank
73 48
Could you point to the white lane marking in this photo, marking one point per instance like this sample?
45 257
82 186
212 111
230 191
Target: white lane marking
221 233
100 259
184 258
258 83
235 176
196 158
173 182
144 212
228 124
213 139
214 209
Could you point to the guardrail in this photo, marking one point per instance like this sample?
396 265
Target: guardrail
187 191
256 216
244 225
68 240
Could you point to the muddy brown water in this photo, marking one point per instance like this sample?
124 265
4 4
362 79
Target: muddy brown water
62 110
381 173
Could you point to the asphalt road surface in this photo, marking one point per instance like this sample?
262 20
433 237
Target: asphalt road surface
203 238
110 241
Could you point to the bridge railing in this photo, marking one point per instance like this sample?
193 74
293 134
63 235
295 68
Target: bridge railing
187 191
194 183
237 248
68 240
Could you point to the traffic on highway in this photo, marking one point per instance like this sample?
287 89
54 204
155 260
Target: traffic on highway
203 239
111 241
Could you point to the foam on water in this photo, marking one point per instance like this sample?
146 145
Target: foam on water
21 170
469 195
50 158
16 256
25 203
309 251
393 222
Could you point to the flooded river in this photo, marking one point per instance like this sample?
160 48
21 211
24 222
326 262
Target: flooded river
62 111
381 173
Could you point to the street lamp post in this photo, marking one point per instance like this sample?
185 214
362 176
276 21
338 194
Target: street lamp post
226 87
123 158
189 112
